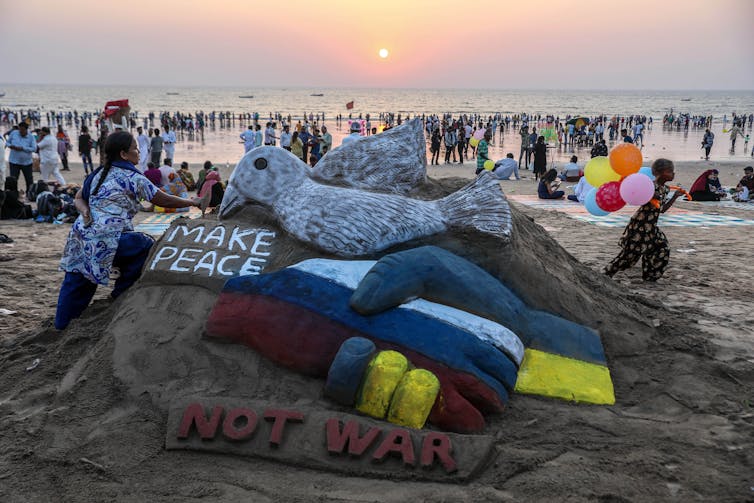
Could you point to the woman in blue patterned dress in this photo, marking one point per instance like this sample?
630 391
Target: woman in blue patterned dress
103 236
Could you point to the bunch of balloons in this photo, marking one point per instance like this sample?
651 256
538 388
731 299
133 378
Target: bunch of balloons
619 180
476 138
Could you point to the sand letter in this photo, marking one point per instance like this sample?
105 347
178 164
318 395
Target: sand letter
221 265
199 229
337 438
206 263
182 257
218 234
194 416
235 238
438 444
258 241
280 416
249 268
229 425
397 440
162 254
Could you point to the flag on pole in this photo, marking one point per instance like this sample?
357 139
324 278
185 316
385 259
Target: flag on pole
349 105
112 107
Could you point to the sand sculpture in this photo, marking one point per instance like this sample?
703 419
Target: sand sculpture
479 307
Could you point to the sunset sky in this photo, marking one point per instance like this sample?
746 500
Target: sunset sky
535 44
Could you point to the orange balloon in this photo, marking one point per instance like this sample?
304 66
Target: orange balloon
625 159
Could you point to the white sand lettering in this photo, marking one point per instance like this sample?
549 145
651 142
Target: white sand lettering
221 265
176 266
164 253
217 234
235 238
219 251
249 267
259 241
207 261
199 229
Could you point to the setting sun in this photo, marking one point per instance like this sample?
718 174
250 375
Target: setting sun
383 53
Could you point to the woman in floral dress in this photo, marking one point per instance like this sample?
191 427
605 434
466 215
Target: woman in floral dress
103 237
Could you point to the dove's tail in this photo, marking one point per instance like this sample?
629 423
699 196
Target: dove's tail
480 205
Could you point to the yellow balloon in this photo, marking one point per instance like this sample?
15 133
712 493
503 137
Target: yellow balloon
474 142
598 171
489 165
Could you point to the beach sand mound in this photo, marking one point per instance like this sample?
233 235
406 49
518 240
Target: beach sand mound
88 423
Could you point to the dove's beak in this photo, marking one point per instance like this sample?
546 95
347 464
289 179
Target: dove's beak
232 202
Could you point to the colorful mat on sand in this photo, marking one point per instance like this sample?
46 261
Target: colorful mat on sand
729 203
156 225
675 217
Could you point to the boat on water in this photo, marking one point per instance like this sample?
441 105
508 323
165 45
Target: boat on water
246 96
316 95
2 93
172 94
685 99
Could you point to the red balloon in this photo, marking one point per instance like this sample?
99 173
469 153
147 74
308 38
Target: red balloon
608 197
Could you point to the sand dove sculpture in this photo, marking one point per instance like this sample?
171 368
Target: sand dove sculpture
350 222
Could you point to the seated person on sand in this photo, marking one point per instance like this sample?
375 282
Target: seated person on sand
580 191
547 188
202 173
707 187
174 187
745 188
12 203
571 171
153 174
186 177
504 168
212 185
599 149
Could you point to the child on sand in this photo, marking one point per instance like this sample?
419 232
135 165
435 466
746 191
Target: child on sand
642 238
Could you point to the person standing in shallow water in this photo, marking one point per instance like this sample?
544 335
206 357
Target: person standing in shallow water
707 141
642 239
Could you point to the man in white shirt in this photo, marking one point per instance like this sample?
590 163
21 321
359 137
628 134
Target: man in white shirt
248 139
143 141
504 168
168 142
165 170
355 133
269 135
48 156
580 191
571 171
285 138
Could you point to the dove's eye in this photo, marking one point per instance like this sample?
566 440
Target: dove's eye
260 163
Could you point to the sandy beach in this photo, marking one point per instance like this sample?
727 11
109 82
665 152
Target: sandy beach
681 428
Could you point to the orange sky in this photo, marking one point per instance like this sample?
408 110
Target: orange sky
638 44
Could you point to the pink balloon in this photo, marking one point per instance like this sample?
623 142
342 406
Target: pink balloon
608 197
637 189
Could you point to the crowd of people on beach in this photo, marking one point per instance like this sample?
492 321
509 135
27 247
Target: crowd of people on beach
134 167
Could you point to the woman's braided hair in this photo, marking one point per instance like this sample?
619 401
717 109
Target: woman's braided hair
118 142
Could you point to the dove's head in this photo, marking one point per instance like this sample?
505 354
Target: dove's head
261 176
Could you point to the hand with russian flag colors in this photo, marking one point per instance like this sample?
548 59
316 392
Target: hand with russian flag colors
443 313
299 317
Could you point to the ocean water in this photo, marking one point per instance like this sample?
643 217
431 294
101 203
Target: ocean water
221 145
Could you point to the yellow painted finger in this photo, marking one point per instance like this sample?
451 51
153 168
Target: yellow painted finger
413 399
380 380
